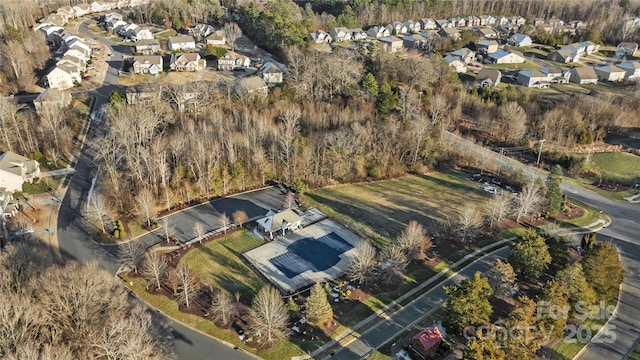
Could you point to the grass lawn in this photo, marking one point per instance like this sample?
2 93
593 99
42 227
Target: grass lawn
614 167
635 355
380 210
135 227
283 350
165 34
567 350
377 355
131 80
42 185
590 216
527 65
219 264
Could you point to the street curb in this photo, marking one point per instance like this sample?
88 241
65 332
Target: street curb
614 314
410 293
150 306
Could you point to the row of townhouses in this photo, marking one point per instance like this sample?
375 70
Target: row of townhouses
76 53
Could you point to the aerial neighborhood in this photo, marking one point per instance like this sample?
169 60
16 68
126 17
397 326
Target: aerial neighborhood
319 180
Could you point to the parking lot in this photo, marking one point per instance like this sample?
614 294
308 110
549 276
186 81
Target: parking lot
255 203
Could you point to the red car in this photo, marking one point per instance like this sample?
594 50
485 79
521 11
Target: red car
86 78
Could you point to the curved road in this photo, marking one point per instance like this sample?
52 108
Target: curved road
75 243
624 232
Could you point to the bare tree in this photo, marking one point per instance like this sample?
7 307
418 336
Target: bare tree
168 229
224 222
514 121
199 231
232 32
188 285
498 207
146 203
287 135
393 262
239 217
223 308
467 222
528 200
99 211
154 268
129 253
363 263
269 315
413 240
289 200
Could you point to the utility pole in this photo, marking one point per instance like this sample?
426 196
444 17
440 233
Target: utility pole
500 160
540 152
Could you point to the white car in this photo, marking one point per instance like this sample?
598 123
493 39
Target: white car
490 190
91 67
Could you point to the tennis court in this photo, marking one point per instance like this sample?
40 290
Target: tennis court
319 252
311 254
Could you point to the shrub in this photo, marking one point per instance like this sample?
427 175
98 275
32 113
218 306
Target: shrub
116 234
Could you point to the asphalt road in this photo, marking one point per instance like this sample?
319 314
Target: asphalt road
75 243
379 334
624 232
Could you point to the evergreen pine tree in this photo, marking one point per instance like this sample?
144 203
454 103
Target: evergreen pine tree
319 310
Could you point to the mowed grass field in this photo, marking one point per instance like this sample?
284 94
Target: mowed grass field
219 264
380 210
617 167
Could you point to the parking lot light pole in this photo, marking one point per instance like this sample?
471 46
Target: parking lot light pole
540 151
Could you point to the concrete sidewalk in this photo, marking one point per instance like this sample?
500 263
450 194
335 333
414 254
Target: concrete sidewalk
342 340
58 172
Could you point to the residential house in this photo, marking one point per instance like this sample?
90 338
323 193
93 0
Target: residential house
501 20
138 33
251 86
357 34
201 31
590 47
443 23
147 64
286 220
187 62
563 56
486 46
79 45
125 29
59 78
378 32
487 20
520 40
75 61
517 20
427 342
52 32
82 9
555 74
577 24
67 12
631 68
73 70
466 55
54 19
15 170
319 37
583 75
457 22
486 32
232 61
415 41
77 52
533 78
100 6
192 97
270 73
340 34
118 27
610 73
472 21
489 77
626 49
51 100
458 65
182 42
148 46
505 57
397 28
413 26
112 17
144 93
448 32
217 37
575 48
391 44
428 24
8 205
